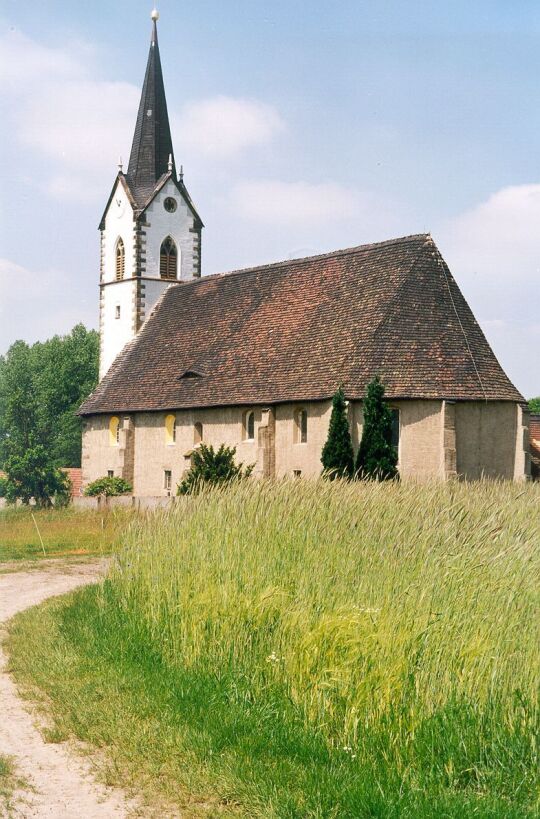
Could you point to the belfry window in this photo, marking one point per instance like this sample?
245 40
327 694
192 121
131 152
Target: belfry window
120 260
168 259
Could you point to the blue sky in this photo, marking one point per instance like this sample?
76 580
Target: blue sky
302 127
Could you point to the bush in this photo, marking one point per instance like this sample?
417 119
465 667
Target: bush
377 456
337 455
211 468
108 486
3 487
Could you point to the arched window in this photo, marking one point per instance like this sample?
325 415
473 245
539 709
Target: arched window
249 425
300 426
197 432
170 429
395 427
120 260
168 259
114 431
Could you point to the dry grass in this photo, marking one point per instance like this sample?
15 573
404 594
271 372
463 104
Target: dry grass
31 534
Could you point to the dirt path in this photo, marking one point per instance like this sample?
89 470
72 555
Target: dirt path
61 783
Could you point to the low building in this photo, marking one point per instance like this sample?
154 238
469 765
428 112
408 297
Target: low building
534 433
252 358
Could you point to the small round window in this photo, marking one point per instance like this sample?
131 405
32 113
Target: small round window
170 204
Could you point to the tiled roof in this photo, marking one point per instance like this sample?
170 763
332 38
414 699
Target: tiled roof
75 476
295 330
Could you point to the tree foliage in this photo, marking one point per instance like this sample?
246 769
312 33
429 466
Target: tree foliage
534 405
32 475
41 388
338 455
377 456
108 486
210 468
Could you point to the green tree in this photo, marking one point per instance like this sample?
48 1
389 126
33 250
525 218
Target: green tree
32 475
377 456
534 405
337 456
41 389
210 468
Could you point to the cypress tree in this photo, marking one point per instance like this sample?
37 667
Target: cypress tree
337 455
377 456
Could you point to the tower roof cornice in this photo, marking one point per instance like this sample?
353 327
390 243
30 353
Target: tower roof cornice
152 143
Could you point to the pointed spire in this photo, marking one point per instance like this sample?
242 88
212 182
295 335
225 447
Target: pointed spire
152 143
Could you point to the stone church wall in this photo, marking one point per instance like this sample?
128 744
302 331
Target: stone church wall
438 440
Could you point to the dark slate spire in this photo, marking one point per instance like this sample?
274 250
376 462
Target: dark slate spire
152 144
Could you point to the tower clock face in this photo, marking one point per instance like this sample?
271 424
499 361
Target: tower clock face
169 204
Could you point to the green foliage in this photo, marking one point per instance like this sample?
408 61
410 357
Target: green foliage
108 486
534 405
41 389
377 457
32 475
317 649
337 455
211 468
3 487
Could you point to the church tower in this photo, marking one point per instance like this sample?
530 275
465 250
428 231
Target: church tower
150 230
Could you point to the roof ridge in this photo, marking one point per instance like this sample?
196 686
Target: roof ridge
331 254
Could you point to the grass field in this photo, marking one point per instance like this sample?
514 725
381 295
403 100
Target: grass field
310 650
27 534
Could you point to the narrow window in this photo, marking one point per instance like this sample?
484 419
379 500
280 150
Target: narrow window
114 431
170 429
117 311
167 479
110 473
300 426
120 260
197 432
168 259
297 473
395 427
249 426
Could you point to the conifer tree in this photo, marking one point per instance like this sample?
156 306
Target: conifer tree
337 455
377 456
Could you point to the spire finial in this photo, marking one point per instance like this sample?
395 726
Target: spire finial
155 15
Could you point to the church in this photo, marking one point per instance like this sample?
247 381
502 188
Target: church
252 358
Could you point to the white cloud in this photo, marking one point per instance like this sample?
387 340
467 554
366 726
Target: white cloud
76 125
493 250
499 238
222 127
293 203
37 304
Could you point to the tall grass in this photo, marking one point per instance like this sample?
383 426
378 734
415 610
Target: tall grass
400 621
323 650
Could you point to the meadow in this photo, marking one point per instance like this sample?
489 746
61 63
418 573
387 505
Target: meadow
32 534
309 649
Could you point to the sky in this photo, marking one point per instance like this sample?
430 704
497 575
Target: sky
303 127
